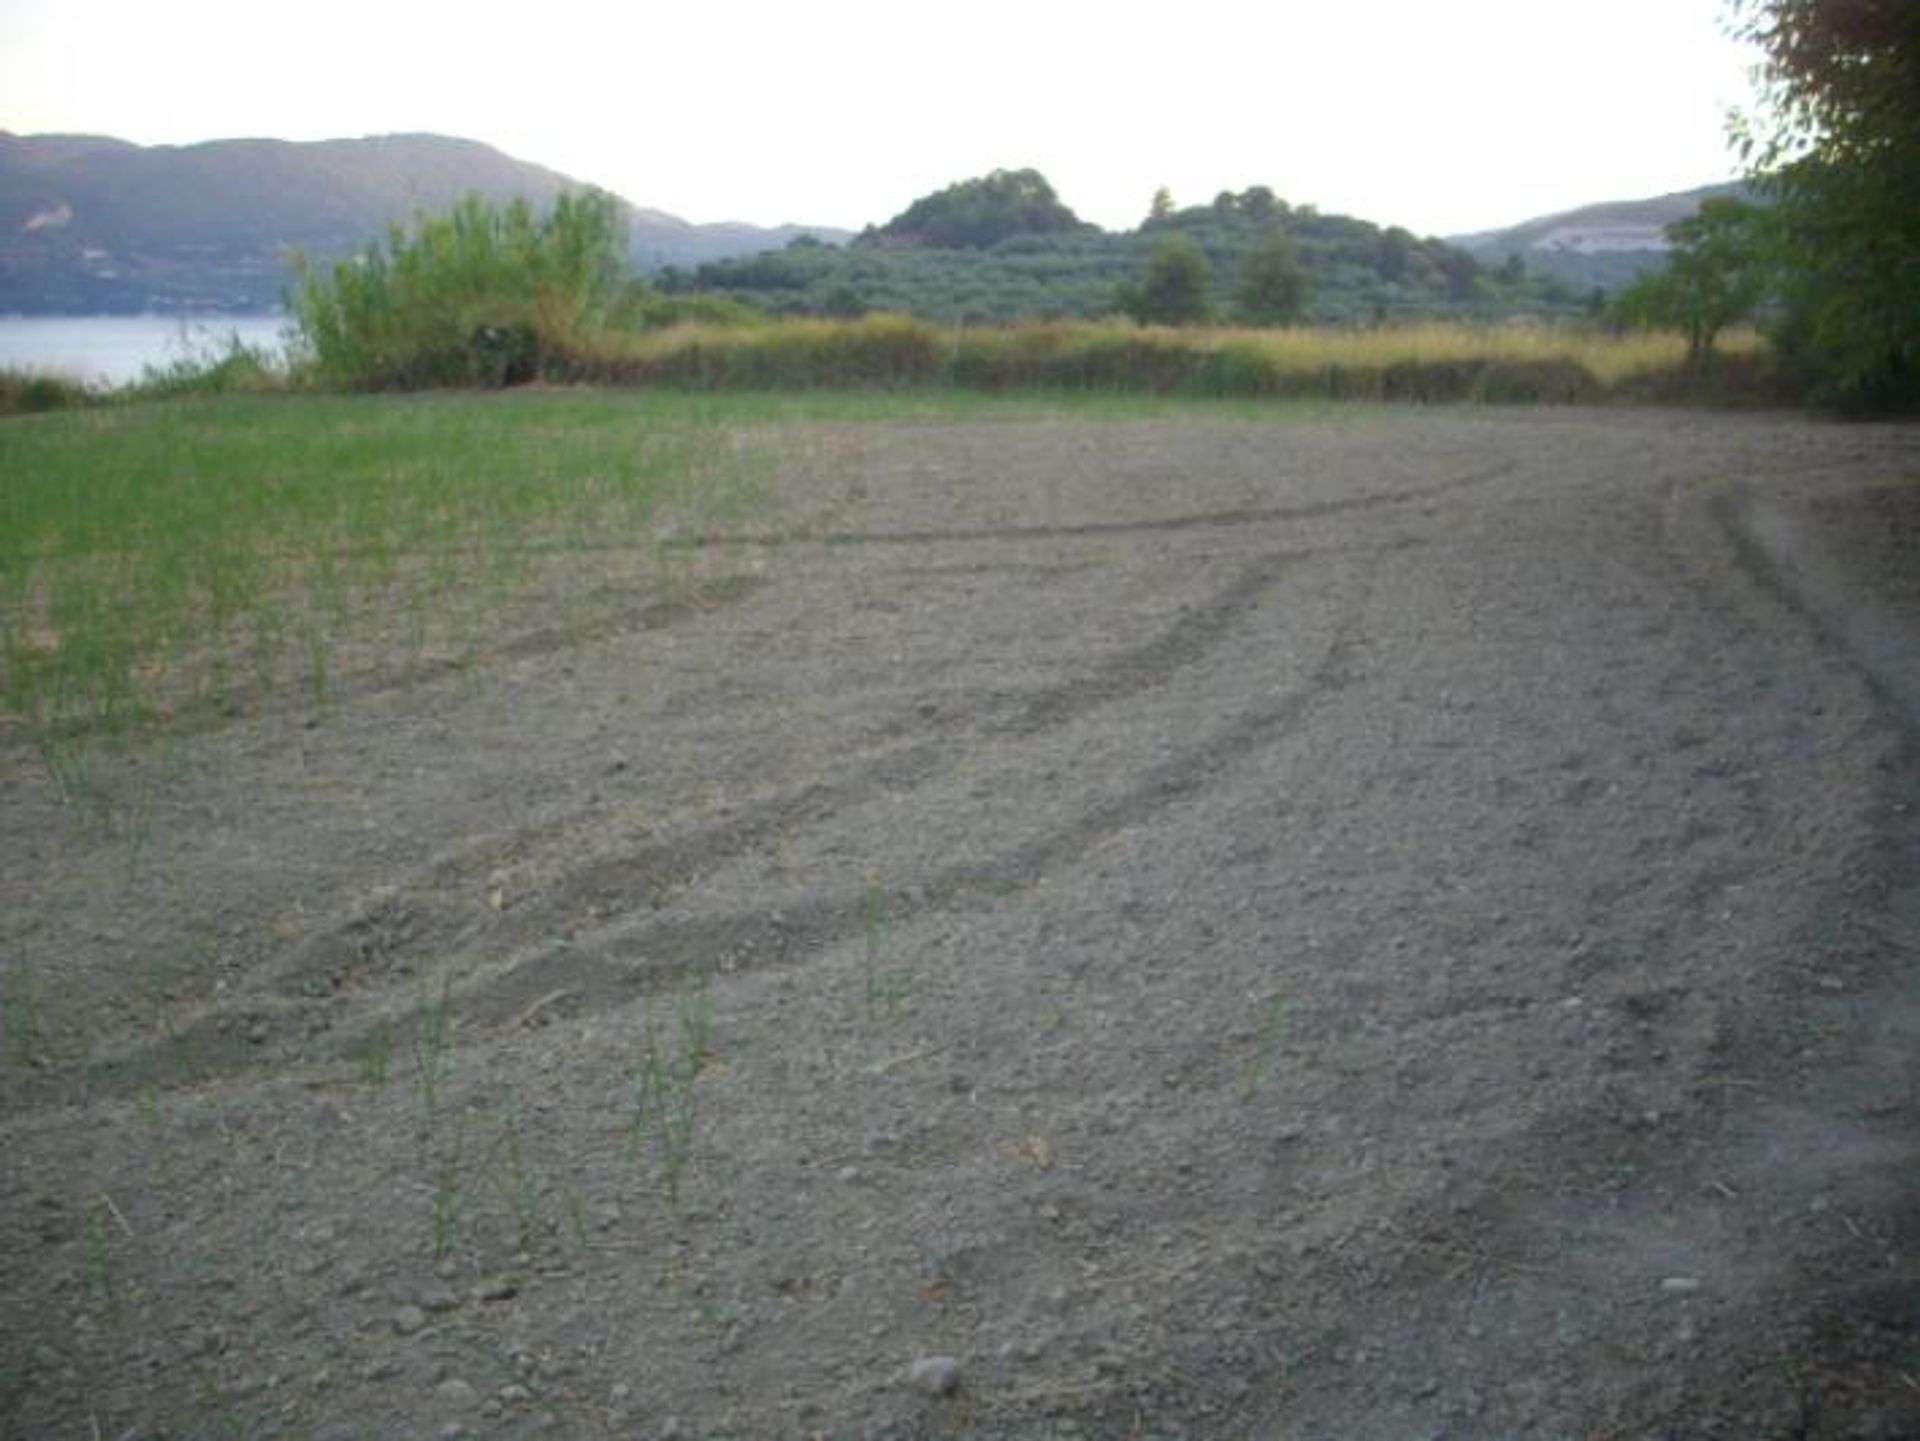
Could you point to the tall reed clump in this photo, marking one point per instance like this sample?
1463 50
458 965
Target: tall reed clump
485 295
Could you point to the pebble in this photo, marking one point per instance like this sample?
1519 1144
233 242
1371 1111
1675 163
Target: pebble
935 1375
1680 1285
409 1319
440 1298
496 1288
457 1394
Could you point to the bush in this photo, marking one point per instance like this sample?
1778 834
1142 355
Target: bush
484 295
30 392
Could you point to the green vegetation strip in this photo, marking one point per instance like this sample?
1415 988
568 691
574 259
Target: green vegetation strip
1429 363
154 556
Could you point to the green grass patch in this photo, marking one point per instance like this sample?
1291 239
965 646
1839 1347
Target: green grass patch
156 557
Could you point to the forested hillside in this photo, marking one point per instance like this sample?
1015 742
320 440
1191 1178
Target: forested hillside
1003 247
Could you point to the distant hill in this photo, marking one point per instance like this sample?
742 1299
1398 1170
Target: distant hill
1003 247
1601 246
978 214
92 225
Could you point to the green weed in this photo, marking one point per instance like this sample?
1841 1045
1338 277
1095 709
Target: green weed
1266 1045
696 1025
430 1038
165 1001
376 1057
663 1110
448 1195
23 1021
517 1183
886 989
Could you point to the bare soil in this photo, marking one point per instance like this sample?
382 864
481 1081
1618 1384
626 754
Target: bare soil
1396 925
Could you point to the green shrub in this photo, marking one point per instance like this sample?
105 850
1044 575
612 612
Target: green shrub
31 392
485 295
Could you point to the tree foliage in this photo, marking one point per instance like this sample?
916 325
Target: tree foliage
1838 152
1271 287
975 214
1715 275
1174 290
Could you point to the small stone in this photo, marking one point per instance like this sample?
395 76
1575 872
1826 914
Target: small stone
409 1319
848 1174
440 1298
1680 1285
620 1394
496 1288
935 1375
514 1394
456 1394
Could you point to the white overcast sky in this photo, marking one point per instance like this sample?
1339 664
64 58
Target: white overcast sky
1441 115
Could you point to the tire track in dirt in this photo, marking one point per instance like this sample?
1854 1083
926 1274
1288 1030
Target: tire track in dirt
390 936
660 957
1234 518
389 939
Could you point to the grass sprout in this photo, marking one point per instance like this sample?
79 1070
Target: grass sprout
1274 1014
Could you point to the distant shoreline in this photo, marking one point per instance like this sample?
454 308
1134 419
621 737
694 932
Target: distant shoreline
114 349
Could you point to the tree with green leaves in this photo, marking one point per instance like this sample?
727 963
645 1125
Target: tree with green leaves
1838 153
1271 287
1715 275
1175 288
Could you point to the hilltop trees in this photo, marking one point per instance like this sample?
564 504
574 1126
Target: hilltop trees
1839 155
1356 272
975 214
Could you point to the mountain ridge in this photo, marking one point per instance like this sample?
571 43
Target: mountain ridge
95 224
1601 245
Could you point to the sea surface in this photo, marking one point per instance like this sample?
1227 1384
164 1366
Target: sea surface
115 349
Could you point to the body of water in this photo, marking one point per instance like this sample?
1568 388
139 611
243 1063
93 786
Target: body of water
115 349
